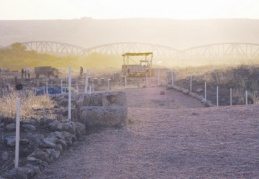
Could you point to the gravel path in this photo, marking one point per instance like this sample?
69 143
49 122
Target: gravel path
170 136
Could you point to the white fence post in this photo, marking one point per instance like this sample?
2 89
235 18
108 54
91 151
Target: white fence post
231 96
146 80
158 77
217 96
109 84
17 137
90 89
172 78
86 80
61 86
125 80
205 90
191 84
246 98
47 88
69 93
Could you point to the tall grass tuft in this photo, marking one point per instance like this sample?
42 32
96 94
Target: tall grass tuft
31 106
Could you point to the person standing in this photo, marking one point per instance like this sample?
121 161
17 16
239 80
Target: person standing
81 71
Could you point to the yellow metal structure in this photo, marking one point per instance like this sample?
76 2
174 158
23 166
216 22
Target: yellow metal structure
137 64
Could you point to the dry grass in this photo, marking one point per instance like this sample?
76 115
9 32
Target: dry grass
30 105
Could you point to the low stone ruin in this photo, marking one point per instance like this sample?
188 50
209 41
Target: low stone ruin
43 140
101 109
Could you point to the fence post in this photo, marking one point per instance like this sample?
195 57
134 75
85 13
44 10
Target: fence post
205 91
172 78
17 137
77 89
90 89
146 80
109 84
191 84
61 86
217 96
125 80
231 96
69 94
246 98
86 80
47 88
158 77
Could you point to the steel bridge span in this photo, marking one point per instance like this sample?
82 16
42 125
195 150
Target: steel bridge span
211 52
63 49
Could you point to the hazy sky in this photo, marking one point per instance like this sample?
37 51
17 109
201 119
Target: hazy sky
106 9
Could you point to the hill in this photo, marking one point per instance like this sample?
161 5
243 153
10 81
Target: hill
89 32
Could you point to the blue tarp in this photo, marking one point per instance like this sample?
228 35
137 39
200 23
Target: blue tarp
52 90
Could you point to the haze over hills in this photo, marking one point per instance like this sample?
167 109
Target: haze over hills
87 32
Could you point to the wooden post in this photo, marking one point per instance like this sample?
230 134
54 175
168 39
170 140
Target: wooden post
17 137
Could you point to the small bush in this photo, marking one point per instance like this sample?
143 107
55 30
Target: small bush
30 105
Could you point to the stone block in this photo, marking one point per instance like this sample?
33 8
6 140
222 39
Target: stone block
103 116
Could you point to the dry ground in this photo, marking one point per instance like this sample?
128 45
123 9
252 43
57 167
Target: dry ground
170 136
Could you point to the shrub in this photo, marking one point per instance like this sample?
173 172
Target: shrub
30 105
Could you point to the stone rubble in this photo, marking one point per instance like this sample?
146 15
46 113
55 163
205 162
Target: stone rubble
43 141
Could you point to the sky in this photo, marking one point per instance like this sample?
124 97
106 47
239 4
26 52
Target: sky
118 9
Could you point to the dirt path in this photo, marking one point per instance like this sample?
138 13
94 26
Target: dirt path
169 136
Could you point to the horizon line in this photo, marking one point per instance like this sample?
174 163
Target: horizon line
134 18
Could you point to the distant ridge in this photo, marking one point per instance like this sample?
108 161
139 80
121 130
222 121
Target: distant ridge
89 32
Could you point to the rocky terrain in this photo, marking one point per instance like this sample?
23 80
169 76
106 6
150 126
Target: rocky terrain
168 135
41 142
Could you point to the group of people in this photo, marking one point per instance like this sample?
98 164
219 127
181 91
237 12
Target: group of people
26 73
